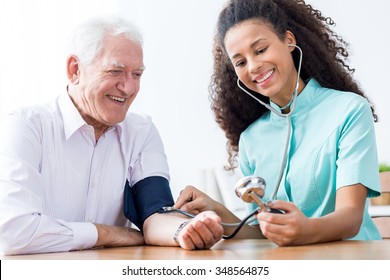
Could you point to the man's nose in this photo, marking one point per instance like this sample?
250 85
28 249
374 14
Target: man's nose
127 84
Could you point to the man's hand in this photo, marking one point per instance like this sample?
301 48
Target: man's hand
115 236
202 232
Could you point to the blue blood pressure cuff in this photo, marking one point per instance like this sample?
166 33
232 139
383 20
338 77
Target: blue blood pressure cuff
145 198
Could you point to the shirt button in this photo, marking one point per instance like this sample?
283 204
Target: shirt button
93 184
90 219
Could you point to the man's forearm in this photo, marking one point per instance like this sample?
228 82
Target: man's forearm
115 236
159 229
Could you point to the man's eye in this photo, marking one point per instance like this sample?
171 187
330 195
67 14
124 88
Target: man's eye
115 72
137 75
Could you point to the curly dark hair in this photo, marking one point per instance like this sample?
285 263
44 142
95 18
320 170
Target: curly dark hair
325 56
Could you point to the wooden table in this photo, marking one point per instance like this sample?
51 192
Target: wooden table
231 250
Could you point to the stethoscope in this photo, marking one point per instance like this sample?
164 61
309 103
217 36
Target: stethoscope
292 105
251 189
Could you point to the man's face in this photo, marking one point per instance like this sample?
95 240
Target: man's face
108 85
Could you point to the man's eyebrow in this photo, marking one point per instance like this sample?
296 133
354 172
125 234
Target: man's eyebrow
114 64
120 65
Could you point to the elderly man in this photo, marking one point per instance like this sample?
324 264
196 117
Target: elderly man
73 172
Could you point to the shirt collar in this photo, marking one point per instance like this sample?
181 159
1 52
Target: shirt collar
72 119
304 99
70 115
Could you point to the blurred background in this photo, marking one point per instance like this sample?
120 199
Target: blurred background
178 38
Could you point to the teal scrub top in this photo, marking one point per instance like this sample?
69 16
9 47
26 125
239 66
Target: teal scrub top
332 144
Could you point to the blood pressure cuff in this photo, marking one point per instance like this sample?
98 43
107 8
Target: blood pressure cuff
145 198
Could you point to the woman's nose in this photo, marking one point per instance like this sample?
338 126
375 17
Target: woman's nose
254 66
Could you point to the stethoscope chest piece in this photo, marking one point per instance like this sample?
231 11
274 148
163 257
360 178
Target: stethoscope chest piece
252 189
245 186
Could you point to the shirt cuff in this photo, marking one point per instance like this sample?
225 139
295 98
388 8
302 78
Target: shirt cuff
85 235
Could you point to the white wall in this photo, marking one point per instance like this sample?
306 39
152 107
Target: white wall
34 37
365 26
178 40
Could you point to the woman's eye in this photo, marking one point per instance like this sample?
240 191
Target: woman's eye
260 51
240 63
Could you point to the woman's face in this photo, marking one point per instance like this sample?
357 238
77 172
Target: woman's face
261 60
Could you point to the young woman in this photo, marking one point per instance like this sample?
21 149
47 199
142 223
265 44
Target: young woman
293 115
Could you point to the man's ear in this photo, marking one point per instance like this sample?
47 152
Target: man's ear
73 69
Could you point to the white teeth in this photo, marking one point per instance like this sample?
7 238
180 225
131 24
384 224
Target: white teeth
119 99
265 77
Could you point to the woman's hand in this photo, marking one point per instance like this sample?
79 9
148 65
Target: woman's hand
290 228
195 201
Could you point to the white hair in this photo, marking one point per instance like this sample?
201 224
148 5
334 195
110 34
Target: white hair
88 37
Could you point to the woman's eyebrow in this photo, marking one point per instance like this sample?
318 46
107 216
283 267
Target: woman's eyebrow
254 43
